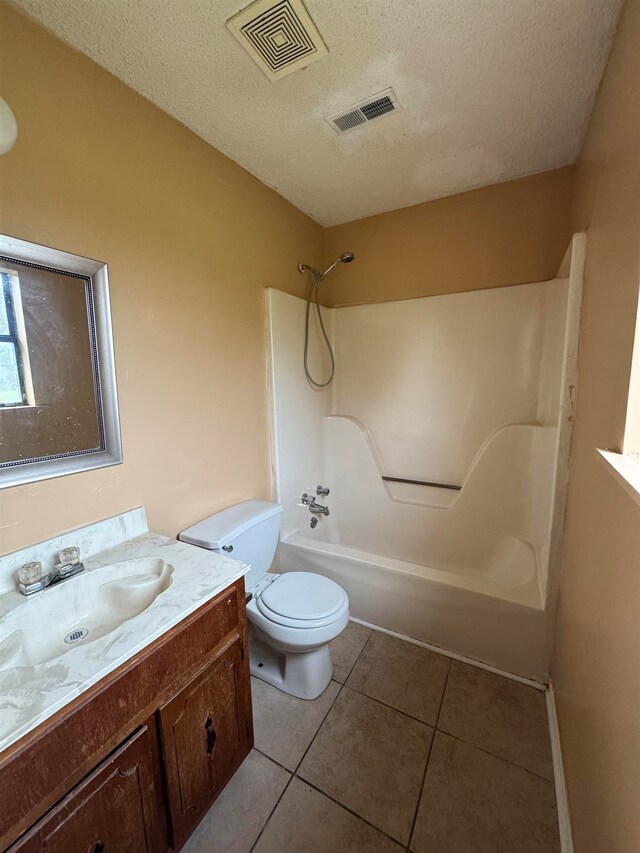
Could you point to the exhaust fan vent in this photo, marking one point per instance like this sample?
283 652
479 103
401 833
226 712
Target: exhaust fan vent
373 107
280 37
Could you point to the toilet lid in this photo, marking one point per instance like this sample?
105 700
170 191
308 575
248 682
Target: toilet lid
301 596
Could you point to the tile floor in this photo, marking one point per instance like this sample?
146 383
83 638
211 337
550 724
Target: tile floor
406 750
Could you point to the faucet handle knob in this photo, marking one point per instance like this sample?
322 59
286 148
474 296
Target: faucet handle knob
322 490
69 556
30 572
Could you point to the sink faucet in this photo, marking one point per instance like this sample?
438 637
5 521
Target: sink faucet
33 580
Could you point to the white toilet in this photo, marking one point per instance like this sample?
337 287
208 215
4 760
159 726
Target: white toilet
292 617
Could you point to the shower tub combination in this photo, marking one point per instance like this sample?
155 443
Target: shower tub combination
444 439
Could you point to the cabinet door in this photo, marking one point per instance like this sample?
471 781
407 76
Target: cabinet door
116 809
205 735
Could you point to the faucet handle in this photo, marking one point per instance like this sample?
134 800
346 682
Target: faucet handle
69 556
306 499
30 572
322 490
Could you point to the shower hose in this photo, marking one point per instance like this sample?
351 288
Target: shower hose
312 299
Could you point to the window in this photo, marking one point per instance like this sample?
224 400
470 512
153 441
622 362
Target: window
626 465
14 379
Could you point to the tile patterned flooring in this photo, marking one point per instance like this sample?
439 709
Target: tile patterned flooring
406 750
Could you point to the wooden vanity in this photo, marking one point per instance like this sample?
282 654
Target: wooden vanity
133 764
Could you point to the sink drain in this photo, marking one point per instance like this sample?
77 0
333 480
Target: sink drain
76 636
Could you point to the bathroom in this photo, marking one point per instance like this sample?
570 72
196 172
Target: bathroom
472 684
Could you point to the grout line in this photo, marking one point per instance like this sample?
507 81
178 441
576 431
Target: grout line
293 774
426 766
392 707
354 664
319 727
493 755
346 808
529 682
266 823
281 766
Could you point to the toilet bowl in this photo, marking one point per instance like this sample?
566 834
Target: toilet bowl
292 617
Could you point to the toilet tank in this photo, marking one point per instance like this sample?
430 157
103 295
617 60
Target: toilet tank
248 531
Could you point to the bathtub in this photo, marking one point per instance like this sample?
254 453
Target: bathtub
459 611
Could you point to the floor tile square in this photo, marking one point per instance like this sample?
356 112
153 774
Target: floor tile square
371 759
346 648
308 822
234 821
474 802
499 715
284 726
406 676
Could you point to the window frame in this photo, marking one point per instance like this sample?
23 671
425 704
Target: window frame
13 337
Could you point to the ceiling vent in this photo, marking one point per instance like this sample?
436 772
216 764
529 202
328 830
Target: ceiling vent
280 37
377 105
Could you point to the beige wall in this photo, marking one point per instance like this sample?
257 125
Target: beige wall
191 241
597 660
510 233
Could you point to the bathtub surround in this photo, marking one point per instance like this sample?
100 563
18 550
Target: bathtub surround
472 389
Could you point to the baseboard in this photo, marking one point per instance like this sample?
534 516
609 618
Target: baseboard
538 685
562 801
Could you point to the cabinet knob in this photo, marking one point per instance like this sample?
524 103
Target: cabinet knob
211 735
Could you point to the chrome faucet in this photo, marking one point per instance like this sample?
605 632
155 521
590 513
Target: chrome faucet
314 506
33 580
318 509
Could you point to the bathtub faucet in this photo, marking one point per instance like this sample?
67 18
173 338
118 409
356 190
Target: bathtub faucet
318 509
314 506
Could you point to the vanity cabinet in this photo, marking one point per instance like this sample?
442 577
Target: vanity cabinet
117 807
133 764
203 732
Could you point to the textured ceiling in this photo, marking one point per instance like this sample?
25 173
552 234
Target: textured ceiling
490 89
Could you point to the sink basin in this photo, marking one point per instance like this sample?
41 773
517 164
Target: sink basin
80 610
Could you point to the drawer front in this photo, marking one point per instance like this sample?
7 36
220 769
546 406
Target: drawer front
117 809
205 733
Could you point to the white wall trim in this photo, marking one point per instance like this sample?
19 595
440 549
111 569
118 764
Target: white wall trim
538 685
562 800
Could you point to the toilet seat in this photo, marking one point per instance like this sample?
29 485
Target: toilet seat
302 600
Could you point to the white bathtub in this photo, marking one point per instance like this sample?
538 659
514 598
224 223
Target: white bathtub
462 612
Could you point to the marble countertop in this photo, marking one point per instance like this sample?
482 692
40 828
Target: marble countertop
31 694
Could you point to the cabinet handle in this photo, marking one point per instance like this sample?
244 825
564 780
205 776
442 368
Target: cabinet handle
211 735
99 847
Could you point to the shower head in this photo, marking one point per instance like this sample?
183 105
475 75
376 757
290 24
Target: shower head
345 258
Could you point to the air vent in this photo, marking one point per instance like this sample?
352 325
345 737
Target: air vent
377 105
280 37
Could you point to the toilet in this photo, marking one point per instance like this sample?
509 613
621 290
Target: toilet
292 617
